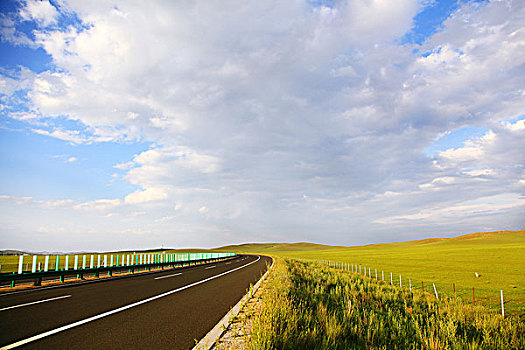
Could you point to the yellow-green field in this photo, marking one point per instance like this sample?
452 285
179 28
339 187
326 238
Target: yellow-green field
498 258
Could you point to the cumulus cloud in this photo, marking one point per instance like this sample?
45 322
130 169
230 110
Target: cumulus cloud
147 195
43 12
292 117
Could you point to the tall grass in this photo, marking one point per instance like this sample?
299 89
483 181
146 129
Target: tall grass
307 305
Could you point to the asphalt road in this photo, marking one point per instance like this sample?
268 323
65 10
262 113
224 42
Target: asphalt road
170 309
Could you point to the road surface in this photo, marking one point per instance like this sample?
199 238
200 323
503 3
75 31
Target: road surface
170 309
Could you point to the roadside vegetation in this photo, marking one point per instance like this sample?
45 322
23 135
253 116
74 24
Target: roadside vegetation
306 305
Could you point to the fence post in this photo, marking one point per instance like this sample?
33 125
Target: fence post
76 262
57 263
410 284
391 280
400 285
66 266
91 262
502 304
422 286
473 297
435 291
376 274
84 262
454 287
46 264
382 275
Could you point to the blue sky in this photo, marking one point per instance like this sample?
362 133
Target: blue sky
340 122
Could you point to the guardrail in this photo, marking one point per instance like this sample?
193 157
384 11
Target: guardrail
105 263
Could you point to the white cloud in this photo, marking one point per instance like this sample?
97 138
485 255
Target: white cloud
482 206
40 11
480 172
99 204
65 135
147 195
289 117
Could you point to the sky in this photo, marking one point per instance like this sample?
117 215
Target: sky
131 125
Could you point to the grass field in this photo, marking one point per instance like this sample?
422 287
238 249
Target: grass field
498 258
306 305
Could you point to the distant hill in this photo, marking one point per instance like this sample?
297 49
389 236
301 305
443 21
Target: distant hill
275 247
12 252
304 246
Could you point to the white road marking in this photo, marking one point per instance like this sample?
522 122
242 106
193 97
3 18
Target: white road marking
34 302
209 267
161 277
108 313
228 263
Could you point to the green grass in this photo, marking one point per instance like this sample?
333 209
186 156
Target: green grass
306 305
498 257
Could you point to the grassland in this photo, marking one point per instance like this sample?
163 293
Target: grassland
306 305
497 257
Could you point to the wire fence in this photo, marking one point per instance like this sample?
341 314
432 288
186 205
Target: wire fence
466 294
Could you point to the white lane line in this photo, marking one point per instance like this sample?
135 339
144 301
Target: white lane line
35 302
161 277
210 267
228 263
108 313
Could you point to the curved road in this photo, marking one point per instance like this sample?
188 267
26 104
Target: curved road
169 309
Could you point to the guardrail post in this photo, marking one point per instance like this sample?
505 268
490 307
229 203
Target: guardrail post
33 267
20 264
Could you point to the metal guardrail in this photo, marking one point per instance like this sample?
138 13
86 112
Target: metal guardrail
130 262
